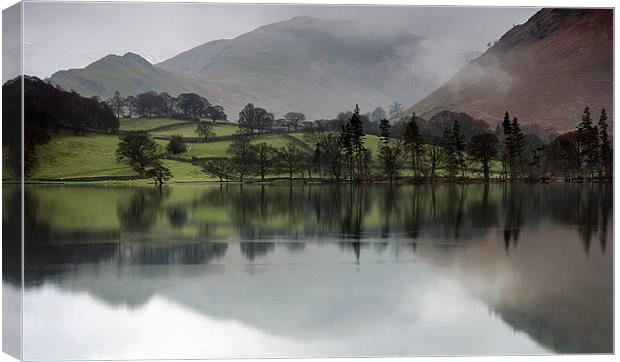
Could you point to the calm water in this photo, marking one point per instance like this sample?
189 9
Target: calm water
212 271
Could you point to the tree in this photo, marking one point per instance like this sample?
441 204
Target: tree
255 118
507 156
316 158
150 104
264 159
291 158
204 130
139 150
192 104
454 146
396 109
378 114
241 153
295 119
436 156
352 142
469 126
332 153
220 168
389 152
176 145
132 104
482 148
606 153
167 103
517 143
565 153
160 174
216 113
413 144
588 142
116 103
458 145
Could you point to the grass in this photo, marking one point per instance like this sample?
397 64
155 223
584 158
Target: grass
145 124
79 156
189 130
219 148
91 155
186 172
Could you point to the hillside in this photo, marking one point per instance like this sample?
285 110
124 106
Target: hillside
130 74
315 66
544 71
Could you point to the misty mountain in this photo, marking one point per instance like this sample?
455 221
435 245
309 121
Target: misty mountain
315 66
544 72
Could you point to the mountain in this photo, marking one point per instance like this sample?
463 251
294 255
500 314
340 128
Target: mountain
316 66
129 74
544 72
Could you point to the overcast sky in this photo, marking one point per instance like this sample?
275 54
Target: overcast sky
72 35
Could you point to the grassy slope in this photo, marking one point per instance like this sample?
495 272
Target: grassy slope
68 156
189 130
79 156
145 124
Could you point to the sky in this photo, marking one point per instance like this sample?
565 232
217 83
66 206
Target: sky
72 35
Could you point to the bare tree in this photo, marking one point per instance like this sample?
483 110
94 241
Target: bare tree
116 103
264 159
220 168
291 159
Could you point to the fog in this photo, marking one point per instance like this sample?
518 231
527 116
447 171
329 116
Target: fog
158 31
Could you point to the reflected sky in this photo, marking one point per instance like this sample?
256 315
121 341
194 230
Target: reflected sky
317 271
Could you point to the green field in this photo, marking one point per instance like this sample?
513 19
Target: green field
219 148
189 130
79 156
145 124
92 155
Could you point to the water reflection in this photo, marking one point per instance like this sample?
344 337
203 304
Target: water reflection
289 248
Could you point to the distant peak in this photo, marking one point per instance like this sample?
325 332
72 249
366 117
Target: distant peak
134 56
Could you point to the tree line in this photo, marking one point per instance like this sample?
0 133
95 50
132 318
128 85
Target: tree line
151 104
343 155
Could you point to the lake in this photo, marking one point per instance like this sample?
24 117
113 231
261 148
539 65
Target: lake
216 271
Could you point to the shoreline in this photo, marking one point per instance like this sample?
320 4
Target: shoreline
129 180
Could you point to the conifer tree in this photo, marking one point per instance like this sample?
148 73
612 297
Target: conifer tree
357 141
507 149
588 139
352 142
517 146
606 153
413 143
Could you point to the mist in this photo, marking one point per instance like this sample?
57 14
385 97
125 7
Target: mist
93 30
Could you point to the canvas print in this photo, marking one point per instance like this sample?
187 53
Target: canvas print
297 180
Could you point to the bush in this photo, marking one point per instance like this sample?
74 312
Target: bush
176 145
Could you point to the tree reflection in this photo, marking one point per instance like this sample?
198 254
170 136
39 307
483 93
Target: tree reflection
139 214
441 215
